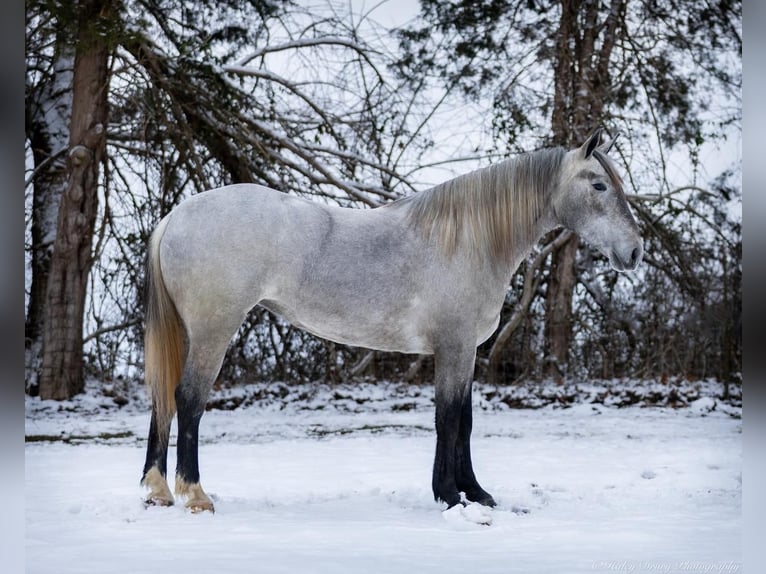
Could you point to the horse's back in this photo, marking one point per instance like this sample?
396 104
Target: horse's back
349 275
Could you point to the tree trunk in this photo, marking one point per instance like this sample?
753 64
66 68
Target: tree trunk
61 375
558 304
581 82
47 129
558 308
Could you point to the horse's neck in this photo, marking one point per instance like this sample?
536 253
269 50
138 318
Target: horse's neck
496 214
544 224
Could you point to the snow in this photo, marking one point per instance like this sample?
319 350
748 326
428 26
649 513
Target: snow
469 516
311 478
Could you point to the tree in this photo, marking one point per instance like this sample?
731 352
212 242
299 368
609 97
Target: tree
48 109
61 370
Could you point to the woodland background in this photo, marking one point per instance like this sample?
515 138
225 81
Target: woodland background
133 105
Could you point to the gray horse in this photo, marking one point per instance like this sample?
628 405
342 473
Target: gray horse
425 274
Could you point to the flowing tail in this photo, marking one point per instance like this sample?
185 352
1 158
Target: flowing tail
164 337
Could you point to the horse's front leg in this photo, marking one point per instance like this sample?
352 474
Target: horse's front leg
453 471
447 425
465 477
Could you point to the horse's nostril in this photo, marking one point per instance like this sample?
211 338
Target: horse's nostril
634 255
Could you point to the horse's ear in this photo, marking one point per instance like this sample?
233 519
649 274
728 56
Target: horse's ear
591 144
607 145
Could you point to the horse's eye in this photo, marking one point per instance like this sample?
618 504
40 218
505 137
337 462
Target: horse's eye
598 186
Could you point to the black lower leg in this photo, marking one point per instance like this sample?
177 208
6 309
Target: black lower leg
157 446
443 482
454 363
191 406
465 478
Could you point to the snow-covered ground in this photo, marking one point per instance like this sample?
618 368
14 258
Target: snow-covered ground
337 479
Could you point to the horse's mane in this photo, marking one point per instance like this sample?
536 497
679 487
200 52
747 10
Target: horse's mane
494 208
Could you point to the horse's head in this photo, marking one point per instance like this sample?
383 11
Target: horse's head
590 201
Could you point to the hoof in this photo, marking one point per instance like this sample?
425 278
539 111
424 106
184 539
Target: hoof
196 499
485 501
452 500
158 501
482 497
197 506
159 493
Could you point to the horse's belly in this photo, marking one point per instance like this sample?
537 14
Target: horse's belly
401 344
362 330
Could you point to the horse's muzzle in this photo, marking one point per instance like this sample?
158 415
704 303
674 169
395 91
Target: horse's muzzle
626 260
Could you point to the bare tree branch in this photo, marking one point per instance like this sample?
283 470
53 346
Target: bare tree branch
531 280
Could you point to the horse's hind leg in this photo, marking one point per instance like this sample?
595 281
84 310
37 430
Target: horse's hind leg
155 469
191 396
206 351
